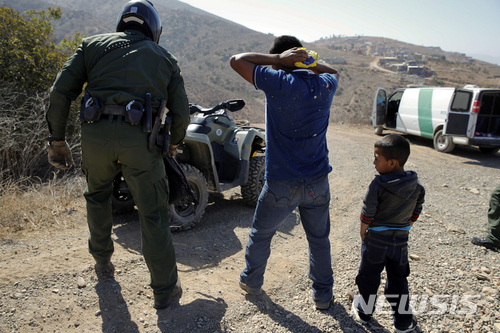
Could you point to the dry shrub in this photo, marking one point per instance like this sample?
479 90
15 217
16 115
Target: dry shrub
23 133
29 205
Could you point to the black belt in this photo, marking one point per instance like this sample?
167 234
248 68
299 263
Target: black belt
114 110
392 232
119 110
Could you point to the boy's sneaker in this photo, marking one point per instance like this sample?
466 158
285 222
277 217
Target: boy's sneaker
250 290
358 312
410 328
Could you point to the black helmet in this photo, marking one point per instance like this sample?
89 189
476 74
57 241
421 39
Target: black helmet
140 13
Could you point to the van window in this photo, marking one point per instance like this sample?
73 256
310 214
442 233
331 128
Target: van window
461 102
396 96
488 122
393 108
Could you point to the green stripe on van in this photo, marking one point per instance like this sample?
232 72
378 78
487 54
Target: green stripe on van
425 112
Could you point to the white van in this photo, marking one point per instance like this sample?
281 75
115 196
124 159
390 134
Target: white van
449 116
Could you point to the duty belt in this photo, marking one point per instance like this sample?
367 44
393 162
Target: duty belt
114 110
117 110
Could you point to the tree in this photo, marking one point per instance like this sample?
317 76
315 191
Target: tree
29 56
29 63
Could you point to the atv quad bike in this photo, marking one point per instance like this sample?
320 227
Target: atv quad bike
216 155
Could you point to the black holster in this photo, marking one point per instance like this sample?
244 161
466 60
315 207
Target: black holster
164 142
133 113
90 109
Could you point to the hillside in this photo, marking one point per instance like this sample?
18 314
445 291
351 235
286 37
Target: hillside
203 43
48 282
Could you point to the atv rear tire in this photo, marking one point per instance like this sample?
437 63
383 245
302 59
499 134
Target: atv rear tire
185 214
122 200
251 190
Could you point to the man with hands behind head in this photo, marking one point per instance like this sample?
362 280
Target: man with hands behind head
299 93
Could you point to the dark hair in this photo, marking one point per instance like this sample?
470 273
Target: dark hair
394 147
283 43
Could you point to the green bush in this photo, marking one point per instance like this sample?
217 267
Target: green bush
29 63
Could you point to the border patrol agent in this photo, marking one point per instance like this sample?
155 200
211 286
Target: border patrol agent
492 239
120 70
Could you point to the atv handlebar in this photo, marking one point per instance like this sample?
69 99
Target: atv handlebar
231 105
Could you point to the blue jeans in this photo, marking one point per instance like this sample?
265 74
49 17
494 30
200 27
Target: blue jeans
387 249
277 200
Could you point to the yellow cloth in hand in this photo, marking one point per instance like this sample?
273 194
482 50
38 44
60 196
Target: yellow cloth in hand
309 62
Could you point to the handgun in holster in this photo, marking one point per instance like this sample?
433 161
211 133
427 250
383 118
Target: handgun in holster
165 137
160 134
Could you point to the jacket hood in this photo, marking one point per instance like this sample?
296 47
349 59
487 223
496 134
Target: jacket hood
400 184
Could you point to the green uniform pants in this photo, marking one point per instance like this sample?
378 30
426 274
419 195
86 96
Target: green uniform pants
103 144
494 217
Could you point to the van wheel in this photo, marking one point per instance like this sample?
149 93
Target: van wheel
185 214
489 150
251 190
378 130
443 143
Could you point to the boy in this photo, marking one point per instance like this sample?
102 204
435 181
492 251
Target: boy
392 204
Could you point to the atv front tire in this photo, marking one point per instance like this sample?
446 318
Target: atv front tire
185 214
122 200
251 190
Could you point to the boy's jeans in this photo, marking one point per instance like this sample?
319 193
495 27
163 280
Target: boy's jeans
387 249
277 200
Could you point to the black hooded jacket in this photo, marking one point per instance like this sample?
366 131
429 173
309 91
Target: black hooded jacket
393 200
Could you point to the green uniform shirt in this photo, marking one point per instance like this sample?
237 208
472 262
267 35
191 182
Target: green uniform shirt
124 74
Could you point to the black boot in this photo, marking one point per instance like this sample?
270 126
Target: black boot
485 242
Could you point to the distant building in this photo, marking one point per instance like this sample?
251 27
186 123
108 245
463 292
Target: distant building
336 60
387 60
416 70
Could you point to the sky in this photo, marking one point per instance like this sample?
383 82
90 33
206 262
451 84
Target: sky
470 27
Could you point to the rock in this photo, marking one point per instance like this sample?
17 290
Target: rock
482 276
485 270
98 313
81 283
474 190
16 295
453 228
489 291
496 326
414 257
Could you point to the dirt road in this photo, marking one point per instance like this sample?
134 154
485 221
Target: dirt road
48 284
